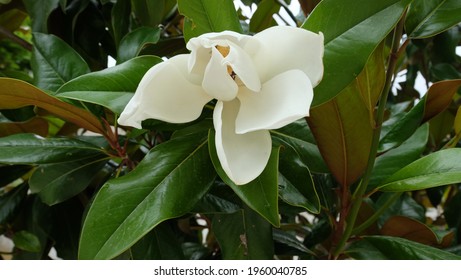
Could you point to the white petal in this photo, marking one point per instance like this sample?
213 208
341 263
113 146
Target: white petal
282 100
242 156
200 47
166 94
217 82
282 48
242 64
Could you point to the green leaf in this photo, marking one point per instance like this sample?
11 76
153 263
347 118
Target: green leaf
404 205
54 62
395 248
58 182
149 12
166 184
112 87
33 149
120 16
132 44
390 162
26 241
437 169
295 182
363 26
16 94
39 12
261 194
11 202
296 137
402 129
204 16
159 244
263 16
243 235
290 240
427 18
66 221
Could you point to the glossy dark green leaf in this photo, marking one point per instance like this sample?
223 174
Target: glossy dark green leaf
35 219
112 87
295 182
263 16
149 12
166 47
39 12
11 201
290 240
298 137
395 159
120 16
402 129
26 241
215 204
395 248
168 182
58 182
159 244
243 235
436 169
133 42
261 194
427 18
438 97
363 27
66 221
54 62
32 149
16 94
404 205
203 16
230 233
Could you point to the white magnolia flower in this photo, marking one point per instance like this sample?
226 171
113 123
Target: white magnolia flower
260 82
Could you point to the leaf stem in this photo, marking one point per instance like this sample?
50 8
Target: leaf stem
10 35
357 197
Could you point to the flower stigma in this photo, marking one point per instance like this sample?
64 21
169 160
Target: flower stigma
225 50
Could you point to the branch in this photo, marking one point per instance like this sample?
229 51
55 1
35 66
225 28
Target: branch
10 35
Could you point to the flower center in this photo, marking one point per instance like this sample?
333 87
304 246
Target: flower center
224 50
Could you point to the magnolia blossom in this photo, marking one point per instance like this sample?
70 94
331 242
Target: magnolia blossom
260 82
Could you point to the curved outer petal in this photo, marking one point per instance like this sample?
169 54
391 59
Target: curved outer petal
282 100
283 48
217 82
166 93
242 156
